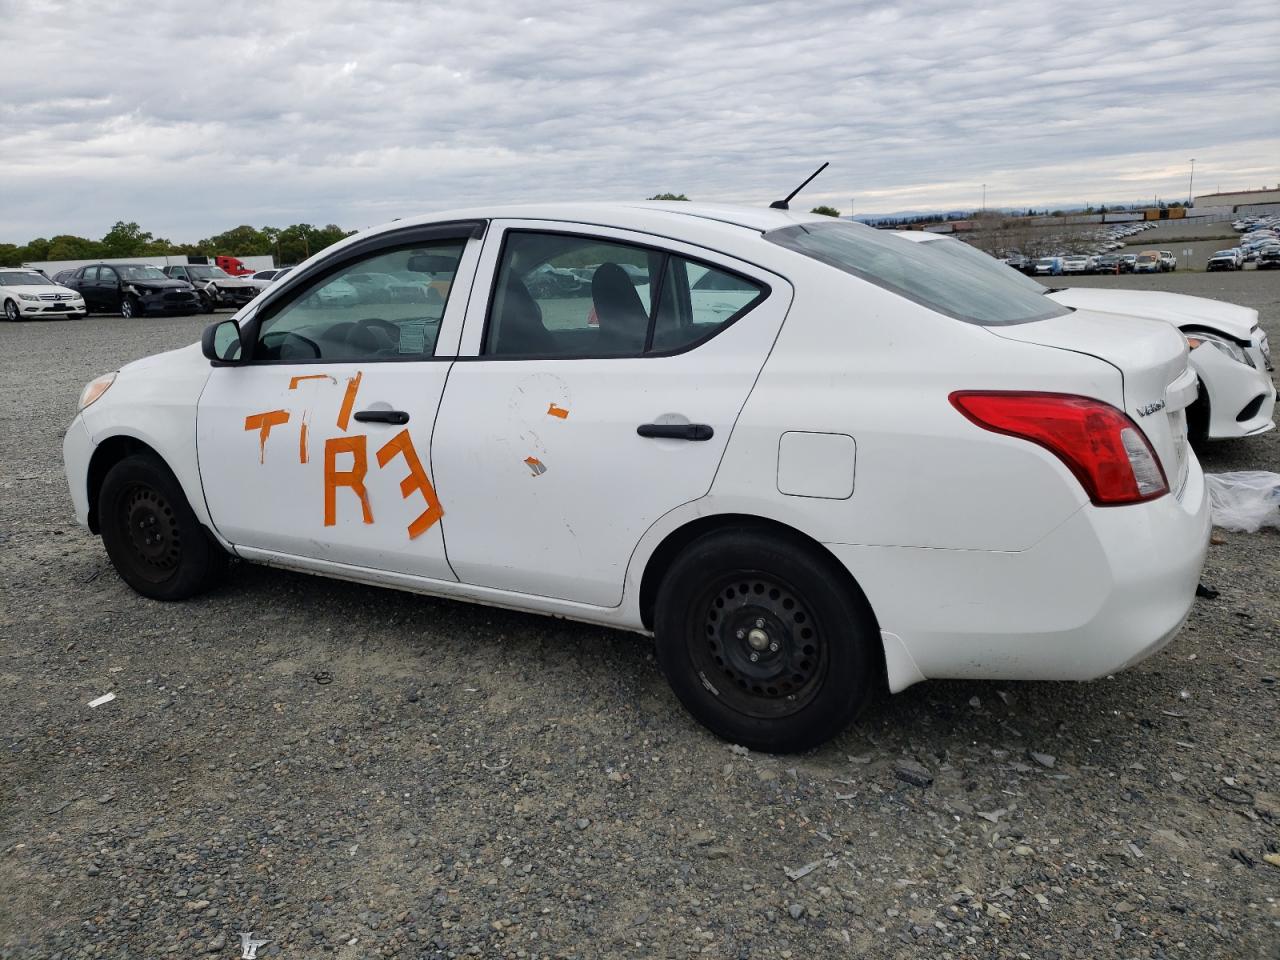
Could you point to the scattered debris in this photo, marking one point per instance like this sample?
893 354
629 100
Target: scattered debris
795 873
913 773
1045 759
1209 593
99 701
322 677
1244 501
537 467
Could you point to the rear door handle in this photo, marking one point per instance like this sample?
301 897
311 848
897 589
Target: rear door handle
676 431
382 416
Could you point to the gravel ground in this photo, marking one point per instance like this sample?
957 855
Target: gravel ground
351 772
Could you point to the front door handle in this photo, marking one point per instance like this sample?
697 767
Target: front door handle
382 416
676 431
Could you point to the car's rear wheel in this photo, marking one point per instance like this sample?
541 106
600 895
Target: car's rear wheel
764 640
129 307
11 311
151 534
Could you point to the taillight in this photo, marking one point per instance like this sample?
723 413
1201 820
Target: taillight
1105 450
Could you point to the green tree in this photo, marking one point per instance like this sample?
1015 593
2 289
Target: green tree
125 240
668 196
68 247
10 255
244 241
37 249
826 211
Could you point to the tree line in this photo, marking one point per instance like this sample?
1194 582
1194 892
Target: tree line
287 245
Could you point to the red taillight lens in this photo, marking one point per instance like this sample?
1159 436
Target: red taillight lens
1106 451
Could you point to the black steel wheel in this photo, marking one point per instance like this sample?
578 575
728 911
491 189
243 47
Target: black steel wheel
153 538
765 639
761 646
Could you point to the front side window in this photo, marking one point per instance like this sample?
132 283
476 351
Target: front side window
342 316
560 295
904 268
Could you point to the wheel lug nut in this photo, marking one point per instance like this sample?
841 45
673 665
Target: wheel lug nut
760 624
754 656
773 647
741 634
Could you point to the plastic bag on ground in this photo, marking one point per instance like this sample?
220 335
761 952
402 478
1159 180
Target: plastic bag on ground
1244 501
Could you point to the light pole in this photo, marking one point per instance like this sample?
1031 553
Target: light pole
1191 180
984 198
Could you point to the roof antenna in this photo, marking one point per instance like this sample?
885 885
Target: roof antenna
782 204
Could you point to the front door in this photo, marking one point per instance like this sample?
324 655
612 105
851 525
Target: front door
317 447
596 391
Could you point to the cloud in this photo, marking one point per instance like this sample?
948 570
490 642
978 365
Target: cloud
191 120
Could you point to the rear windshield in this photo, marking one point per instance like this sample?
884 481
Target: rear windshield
979 264
913 271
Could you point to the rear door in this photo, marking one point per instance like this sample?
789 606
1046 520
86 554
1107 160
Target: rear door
597 387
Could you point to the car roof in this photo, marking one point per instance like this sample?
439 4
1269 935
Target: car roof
641 214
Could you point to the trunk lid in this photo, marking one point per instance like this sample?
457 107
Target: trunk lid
1151 356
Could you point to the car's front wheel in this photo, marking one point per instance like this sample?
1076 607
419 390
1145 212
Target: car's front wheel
11 312
765 640
151 534
130 307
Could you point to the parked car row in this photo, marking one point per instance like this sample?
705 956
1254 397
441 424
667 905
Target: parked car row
1259 243
129 289
1090 252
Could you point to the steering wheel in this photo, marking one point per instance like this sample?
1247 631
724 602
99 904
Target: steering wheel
282 337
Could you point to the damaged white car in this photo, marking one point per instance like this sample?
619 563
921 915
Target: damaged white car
812 460
1230 352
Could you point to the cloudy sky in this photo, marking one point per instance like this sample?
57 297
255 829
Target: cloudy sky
193 118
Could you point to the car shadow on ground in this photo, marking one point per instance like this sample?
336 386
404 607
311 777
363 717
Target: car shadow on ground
428 640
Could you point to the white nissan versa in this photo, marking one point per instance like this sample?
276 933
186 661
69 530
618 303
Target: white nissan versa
1230 352
846 464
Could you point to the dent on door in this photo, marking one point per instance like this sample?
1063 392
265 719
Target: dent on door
345 458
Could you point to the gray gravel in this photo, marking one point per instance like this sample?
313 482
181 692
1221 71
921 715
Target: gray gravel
475 782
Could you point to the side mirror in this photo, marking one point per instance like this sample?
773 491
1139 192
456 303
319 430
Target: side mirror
220 343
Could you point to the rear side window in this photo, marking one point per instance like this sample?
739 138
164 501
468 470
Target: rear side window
912 271
563 295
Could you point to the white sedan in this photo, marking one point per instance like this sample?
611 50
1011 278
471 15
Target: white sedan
28 294
1230 352
812 460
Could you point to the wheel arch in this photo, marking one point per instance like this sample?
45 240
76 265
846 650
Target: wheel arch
660 560
105 456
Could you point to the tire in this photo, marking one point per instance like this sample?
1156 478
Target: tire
129 307
11 312
151 534
206 303
814 636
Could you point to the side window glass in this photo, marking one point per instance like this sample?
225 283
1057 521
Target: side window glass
108 275
566 296
89 273
383 307
703 299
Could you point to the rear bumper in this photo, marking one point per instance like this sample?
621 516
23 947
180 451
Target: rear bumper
1107 588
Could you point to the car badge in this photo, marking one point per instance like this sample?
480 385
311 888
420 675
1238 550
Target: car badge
1150 408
